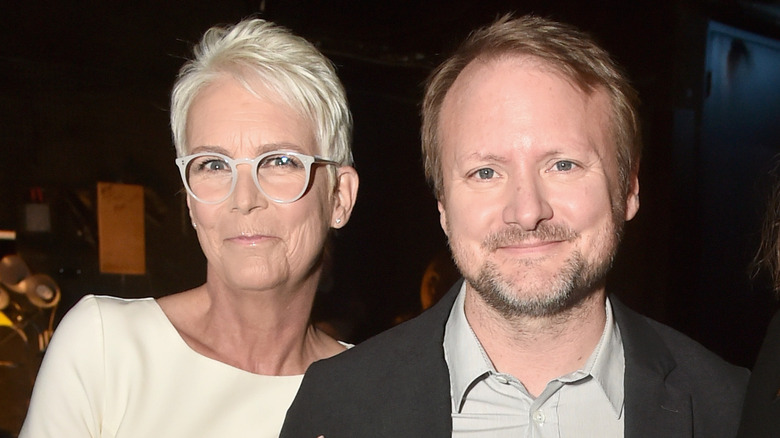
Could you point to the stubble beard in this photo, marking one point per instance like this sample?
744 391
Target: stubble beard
513 297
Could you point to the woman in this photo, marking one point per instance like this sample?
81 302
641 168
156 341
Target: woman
761 411
262 133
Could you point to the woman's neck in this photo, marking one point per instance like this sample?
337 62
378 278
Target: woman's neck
263 332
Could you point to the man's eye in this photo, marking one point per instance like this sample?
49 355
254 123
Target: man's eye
563 166
486 173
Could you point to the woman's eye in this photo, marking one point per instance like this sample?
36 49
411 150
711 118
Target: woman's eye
485 173
281 161
563 166
215 165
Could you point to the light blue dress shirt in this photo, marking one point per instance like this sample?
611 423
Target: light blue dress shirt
486 403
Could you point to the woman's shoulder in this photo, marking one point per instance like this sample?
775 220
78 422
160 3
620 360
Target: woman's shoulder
110 300
97 324
102 305
113 331
104 314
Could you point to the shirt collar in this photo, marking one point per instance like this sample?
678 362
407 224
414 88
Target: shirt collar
463 352
607 363
467 360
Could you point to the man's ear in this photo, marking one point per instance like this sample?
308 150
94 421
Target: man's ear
443 218
632 197
345 194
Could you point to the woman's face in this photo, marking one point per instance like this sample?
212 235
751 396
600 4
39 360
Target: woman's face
251 242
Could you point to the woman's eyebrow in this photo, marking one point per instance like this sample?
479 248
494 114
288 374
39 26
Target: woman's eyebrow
269 147
210 148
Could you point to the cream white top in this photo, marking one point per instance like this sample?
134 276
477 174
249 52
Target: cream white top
118 368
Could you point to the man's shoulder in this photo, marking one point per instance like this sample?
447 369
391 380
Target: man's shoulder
654 338
695 360
394 384
402 346
684 362
673 382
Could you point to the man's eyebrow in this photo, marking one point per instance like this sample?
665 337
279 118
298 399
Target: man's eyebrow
486 157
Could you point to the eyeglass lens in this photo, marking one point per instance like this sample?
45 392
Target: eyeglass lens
282 177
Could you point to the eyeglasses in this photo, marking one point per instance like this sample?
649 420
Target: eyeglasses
283 177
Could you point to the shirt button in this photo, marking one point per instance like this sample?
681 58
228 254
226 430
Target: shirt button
538 416
502 379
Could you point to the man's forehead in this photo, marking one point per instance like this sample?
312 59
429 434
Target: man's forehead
554 126
483 65
493 74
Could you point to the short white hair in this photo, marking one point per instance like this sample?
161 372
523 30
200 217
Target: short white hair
287 64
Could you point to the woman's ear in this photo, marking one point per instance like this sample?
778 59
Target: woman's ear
344 194
189 210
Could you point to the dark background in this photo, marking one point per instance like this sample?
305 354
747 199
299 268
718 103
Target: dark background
84 90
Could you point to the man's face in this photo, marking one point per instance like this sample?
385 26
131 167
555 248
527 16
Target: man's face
530 186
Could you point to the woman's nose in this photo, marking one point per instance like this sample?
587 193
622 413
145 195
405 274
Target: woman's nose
246 195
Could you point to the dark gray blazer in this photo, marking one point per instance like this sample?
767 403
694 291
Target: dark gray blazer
397 384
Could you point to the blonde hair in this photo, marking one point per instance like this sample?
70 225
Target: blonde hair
768 255
289 65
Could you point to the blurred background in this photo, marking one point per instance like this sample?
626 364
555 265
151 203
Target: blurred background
84 90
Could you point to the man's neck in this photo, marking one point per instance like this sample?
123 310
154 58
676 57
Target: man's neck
537 350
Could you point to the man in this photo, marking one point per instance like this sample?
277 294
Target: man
532 142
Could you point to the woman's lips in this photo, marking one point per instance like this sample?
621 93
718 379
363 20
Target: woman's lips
250 240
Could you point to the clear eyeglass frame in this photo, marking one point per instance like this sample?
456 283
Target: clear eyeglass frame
307 160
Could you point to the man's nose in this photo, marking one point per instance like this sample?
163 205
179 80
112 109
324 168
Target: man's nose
527 203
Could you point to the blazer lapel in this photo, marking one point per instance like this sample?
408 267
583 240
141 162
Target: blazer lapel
653 407
430 379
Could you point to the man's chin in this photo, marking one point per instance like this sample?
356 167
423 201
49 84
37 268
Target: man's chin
533 293
532 304
535 280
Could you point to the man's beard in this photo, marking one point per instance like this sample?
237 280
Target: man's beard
575 281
